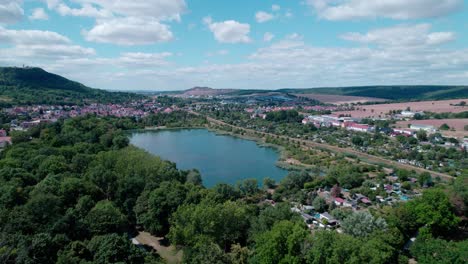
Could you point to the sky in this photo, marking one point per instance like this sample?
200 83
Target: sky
247 44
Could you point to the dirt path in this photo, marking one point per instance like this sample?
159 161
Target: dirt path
367 157
170 254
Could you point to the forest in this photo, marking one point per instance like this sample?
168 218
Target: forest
76 192
28 86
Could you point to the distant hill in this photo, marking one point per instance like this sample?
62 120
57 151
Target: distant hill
22 86
205 91
395 93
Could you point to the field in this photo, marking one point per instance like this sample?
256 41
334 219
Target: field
381 110
457 125
340 99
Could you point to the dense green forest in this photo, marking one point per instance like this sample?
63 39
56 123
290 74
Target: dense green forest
26 86
75 192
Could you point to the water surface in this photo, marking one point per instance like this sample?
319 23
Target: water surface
219 158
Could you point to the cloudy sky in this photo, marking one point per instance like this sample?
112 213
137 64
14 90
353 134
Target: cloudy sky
262 44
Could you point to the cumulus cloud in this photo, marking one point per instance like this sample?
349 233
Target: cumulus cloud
262 16
32 37
268 36
39 14
29 46
10 11
402 35
229 31
86 10
394 9
129 31
136 22
275 7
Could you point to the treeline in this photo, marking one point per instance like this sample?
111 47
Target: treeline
288 116
431 115
75 192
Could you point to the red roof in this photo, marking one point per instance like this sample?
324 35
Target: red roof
365 200
339 200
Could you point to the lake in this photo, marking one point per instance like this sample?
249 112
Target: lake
219 158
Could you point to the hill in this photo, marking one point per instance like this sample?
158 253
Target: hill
394 93
23 86
205 91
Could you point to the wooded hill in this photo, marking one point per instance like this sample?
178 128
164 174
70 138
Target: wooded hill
25 86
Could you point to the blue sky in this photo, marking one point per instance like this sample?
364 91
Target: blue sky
263 44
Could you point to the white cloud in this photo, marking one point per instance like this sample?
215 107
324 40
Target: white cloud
129 31
10 11
29 46
394 9
229 31
86 10
39 14
32 37
275 7
155 9
268 36
402 35
263 17
136 22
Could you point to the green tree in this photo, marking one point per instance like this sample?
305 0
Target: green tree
434 210
320 205
362 224
284 243
247 187
159 205
105 218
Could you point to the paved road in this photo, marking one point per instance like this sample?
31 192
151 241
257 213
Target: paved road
361 155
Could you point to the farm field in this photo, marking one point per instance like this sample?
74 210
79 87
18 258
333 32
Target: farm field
340 99
456 124
381 110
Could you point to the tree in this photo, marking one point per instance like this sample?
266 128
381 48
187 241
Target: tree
425 179
105 218
335 191
223 224
114 248
421 135
427 249
434 210
159 205
247 187
444 127
362 224
269 216
194 177
284 243
268 183
320 205
120 141
357 140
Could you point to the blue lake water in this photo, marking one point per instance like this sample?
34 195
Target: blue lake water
219 158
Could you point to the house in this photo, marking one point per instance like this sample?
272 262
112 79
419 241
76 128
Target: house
402 131
427 128
339 201
358 127
326 216
366 201
5 141
3 133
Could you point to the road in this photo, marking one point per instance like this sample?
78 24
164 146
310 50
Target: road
367 157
